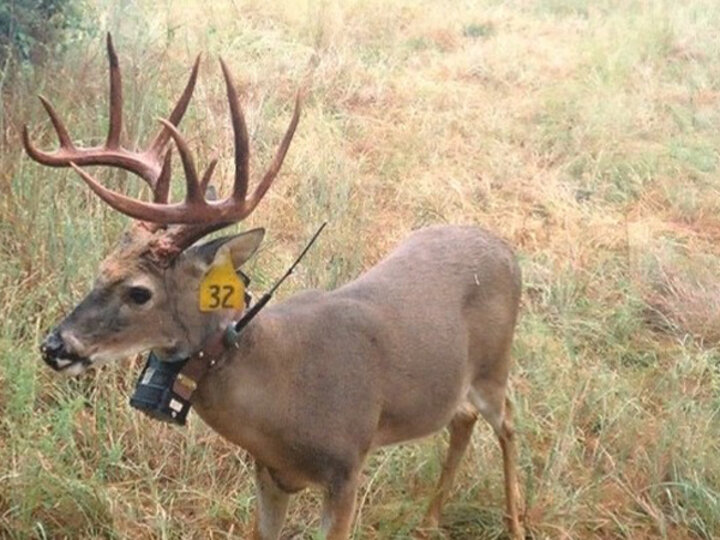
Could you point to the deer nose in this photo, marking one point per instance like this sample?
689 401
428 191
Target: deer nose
51 348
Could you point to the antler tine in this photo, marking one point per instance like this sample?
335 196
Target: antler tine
242 169
161 193
62 134
274 168
194 193
205 182
116 99
60 129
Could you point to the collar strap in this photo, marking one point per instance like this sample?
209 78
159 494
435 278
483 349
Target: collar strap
205 359
198 365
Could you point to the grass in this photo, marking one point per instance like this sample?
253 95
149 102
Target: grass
583 132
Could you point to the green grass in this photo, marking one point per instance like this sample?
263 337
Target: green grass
585 133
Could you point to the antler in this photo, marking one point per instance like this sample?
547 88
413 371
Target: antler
199 215
196 216
148 164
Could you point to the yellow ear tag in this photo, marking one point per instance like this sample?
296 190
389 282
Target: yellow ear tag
221 288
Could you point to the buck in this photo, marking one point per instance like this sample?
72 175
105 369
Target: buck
314 384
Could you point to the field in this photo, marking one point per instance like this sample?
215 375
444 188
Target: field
585 133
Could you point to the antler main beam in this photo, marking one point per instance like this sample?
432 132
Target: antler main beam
196 210
148 164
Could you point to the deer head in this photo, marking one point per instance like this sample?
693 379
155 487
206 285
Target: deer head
146 294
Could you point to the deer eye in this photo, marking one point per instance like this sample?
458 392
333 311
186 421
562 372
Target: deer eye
139 295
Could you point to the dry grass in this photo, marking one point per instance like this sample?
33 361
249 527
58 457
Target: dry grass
583 132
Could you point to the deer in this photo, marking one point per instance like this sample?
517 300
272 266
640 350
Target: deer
316 382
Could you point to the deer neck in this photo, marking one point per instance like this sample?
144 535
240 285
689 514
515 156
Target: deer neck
241 396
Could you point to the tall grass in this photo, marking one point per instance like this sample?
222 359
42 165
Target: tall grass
586 133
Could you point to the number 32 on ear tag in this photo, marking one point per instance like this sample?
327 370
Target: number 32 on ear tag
221 288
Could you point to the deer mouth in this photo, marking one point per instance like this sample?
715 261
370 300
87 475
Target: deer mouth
56 355
65 362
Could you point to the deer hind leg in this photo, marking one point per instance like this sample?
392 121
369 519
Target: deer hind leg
496 408
272 503
512 491
339 508
461 427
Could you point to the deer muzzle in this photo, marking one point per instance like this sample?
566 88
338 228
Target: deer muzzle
56 354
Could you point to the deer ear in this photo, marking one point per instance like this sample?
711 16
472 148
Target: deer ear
240 246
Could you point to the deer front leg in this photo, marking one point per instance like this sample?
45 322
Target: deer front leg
272 503
339 508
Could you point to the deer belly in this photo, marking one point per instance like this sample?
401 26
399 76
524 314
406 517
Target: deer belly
415 411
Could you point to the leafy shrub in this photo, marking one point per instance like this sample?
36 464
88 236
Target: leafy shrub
28 28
